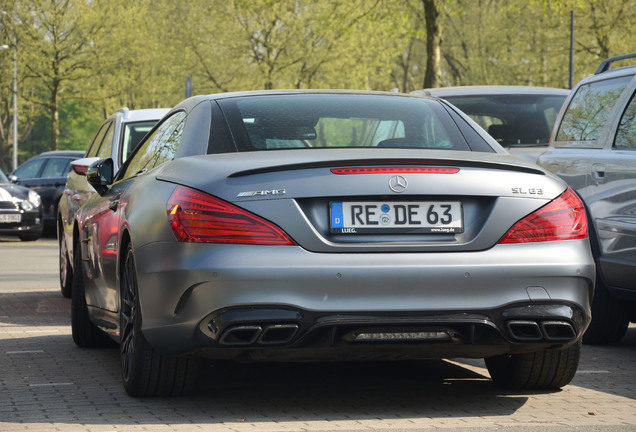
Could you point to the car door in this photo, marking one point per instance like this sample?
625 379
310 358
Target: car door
52 182
28 173
611 194
102 216
580 140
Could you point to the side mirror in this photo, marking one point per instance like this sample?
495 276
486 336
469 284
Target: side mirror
101 175
12 178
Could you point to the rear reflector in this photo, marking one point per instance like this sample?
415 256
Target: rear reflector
395 170
563 218
402 336
202 218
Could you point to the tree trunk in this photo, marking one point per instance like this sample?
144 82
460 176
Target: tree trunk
3 145
54 108
433 43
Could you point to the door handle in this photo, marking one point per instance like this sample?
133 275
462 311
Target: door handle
114 203
598 173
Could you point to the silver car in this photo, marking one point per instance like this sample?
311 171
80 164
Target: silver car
117 137
289 226
593 148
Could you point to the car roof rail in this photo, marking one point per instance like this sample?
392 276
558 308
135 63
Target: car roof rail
125 111
607 63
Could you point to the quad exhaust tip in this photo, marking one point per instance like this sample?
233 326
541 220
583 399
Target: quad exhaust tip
558 330
527 330
271 334
280 334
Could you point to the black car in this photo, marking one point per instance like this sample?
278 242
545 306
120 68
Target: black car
520 118
46 174
20 211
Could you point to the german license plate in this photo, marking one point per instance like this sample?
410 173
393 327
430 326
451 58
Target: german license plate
417 217
10 218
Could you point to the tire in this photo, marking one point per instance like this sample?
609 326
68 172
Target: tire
30 236
610 318
145 372
549 369
85 333
66 270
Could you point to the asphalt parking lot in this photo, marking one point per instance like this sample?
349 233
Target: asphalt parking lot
47 383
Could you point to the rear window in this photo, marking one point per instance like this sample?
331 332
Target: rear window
588 113
274 122
514 120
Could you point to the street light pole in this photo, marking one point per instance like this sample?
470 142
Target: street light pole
15 108
15 96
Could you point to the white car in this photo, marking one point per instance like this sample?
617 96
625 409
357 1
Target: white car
117 138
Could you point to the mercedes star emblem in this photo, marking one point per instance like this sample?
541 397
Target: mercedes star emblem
398 184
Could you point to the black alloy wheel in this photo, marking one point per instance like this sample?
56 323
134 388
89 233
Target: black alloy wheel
127 317
145 372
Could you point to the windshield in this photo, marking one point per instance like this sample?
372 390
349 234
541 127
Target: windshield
133 133
3 178
299 121
513 120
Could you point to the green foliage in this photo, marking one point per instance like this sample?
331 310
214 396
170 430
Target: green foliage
78 126
38 141
80 60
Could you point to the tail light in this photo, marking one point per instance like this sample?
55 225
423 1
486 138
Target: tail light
80 169
563 218
198 217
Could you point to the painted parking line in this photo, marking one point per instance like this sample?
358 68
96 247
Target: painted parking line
51 384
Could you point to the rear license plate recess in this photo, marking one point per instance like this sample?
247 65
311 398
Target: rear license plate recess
378 217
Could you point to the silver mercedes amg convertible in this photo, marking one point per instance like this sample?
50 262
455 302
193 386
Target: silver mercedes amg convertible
328 226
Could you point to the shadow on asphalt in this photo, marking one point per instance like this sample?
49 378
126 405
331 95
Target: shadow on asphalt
89 381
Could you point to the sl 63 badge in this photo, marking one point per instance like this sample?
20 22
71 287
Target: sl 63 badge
524 191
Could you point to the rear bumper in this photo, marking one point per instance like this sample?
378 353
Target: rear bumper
31 222
271 333
286 303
